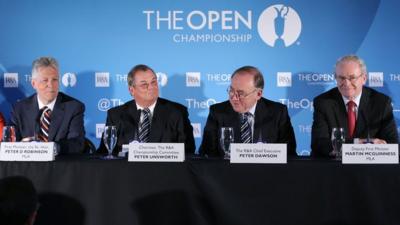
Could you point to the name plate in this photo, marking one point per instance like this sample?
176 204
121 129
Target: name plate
258 153
27 151
156 152
370 154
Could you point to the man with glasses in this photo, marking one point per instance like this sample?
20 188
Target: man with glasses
252 117
149 118
363 112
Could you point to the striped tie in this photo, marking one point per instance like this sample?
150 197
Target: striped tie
245 129
144 129
45 125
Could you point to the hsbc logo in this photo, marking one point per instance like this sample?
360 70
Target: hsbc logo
102 79
193 79
375 79
284 79
10 80
99 129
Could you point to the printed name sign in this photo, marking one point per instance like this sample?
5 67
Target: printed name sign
370 154
258 153
27 151
156 152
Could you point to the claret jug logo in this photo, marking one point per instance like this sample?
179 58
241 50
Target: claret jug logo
279 25
69 80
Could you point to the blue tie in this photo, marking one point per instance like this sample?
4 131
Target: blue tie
144 129
245 128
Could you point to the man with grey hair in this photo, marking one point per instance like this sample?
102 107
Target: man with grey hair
252 117
364 113
149 118
49 115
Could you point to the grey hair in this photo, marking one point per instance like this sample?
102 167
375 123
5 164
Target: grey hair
134 70
43 62
353 58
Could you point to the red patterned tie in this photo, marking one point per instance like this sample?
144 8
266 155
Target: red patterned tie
351 118
45 125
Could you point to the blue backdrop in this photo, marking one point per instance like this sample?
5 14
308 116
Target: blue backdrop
195 46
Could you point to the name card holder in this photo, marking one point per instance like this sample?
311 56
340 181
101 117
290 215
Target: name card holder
27 151
156 152
259 153
370 154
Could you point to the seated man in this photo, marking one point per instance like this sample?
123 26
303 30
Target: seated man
149 118
253 118
361 111
49 115
18 201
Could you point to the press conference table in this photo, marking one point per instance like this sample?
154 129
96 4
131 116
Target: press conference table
85 190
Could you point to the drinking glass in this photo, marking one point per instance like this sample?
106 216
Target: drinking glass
110 140
8 134
337 138
225 141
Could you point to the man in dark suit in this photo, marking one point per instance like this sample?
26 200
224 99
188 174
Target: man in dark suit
149 118
49 115
267 121
363 112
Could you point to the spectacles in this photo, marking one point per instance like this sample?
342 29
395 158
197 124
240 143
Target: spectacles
239 94
352 78
147 85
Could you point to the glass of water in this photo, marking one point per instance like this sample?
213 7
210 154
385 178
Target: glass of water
8 134
110 140
337 138
226 139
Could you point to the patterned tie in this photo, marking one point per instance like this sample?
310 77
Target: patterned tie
45 125
144 129
351 118
245 129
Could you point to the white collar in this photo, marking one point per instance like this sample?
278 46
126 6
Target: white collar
356 100
151 107
50 105
252 110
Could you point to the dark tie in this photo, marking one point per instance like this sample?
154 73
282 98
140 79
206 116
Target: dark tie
351 118
144 129
245 128
45 124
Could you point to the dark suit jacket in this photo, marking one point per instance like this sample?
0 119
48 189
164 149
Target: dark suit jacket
272 125
375 116
66 126
170 123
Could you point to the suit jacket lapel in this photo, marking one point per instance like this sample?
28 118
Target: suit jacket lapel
340 112
57 116
132 118
34 114
156 122
261 114
362 122
234 119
